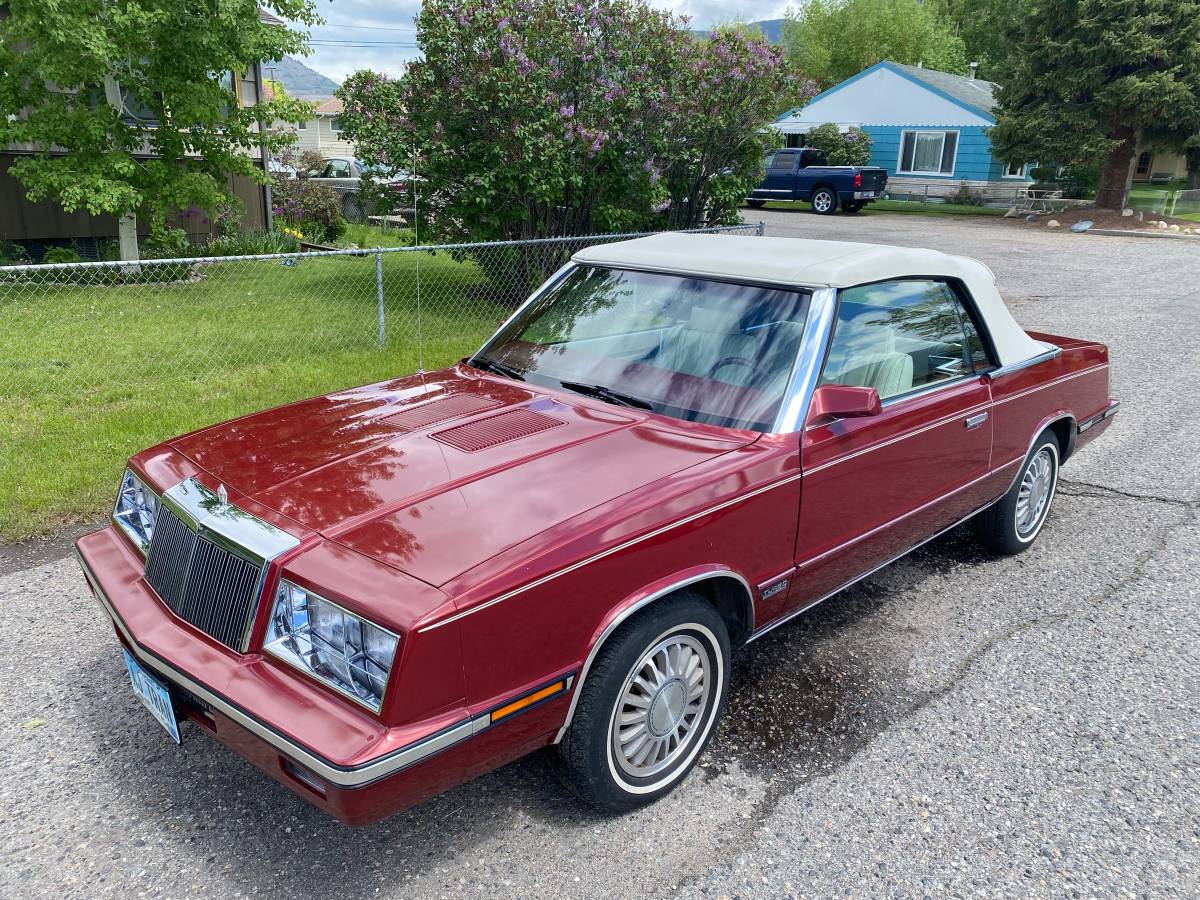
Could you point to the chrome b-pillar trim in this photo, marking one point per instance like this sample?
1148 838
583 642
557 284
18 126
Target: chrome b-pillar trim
817 328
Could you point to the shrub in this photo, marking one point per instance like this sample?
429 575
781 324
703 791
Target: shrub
852 148
13 254
61 255
313 207
253 243
166 243
967 196
536 118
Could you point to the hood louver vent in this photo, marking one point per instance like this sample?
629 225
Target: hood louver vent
497 429
450 407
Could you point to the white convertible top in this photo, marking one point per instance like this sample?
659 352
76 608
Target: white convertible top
817 264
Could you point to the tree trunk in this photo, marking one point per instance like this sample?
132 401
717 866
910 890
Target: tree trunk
1193 169
1117 168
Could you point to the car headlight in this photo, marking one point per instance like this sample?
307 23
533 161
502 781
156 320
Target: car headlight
135 510
339 648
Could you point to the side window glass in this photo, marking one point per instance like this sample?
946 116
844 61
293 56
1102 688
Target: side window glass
976 352
783 161
897 337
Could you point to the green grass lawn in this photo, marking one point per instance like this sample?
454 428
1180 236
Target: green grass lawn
90 374
904 207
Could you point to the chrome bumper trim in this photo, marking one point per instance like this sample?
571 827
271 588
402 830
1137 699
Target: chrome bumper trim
1108 412
341 776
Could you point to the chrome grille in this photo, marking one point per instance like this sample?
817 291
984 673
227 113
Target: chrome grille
203 583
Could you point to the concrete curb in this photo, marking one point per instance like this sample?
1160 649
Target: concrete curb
1117 232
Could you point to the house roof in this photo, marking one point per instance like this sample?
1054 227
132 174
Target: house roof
331 106
975 92
974 95
267 18
812 263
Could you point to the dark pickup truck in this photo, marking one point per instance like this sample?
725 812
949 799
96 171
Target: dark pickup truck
800 173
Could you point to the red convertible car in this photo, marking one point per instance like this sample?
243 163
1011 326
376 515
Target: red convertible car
677 444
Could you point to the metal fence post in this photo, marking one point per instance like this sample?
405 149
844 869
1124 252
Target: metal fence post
762 228
925 199
379 297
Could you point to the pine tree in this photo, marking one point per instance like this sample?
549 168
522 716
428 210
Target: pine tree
1083 79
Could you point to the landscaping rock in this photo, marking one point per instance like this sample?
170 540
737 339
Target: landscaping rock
1081 226
1127 211
1054 223
1161 225
1174 228
1012 212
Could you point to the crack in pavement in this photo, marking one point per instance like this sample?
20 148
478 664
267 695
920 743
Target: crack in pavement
1100 492
775 790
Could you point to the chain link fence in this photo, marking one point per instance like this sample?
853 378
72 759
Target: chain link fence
98 360
1185 203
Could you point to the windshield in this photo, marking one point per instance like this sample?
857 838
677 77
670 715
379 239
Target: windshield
692 348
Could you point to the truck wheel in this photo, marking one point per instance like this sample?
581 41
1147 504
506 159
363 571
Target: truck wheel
649 704
852 206
824 201
1010 524
756 204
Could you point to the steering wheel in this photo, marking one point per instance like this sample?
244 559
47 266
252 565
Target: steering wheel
730 361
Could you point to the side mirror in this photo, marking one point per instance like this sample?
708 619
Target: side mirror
839 401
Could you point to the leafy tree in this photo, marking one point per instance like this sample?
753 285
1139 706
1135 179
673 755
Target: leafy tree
528 118
831 40
983 26
129 104
851 148
1084 78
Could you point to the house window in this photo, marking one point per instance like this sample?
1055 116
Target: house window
1014 170
302 126
335 125
928 152
1143 163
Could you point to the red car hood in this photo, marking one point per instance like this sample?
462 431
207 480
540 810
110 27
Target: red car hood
434 474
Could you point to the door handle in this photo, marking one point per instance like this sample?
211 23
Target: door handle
976 420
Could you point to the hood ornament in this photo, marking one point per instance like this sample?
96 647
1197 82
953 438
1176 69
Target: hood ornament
222 495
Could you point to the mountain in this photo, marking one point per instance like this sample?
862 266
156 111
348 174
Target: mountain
772 29
299 80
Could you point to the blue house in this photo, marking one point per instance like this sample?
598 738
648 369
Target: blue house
926 127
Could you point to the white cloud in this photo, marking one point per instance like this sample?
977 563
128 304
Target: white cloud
365 34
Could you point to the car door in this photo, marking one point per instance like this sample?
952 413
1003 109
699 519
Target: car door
780 180
805 180
875 486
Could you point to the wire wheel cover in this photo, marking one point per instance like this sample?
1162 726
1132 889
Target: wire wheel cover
662 706
1033 498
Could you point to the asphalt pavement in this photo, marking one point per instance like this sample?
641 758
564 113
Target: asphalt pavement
955 725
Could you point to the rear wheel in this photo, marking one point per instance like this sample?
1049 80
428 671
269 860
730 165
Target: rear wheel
824 201
852 206
649 704
756 204
1010 525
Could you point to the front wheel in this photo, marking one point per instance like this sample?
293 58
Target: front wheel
649 704
1009 526
824 201
756 204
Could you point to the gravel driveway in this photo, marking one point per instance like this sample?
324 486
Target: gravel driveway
955 724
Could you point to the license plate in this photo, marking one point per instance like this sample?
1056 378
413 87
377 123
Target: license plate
867 195
153 694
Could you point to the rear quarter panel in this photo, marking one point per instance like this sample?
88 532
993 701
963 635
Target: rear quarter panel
1075 384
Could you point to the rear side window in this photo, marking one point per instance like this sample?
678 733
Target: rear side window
814 158
784 161
902 336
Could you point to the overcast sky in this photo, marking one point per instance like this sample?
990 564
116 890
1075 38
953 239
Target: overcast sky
379 34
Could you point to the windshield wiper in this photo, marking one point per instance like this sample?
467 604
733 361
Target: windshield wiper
496 368
600 392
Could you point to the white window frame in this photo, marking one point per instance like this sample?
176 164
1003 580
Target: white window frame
1009 174
302 126
334 127
938 131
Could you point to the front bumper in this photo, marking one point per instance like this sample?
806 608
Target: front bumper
334 755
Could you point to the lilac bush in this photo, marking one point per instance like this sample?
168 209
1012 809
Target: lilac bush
528 118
